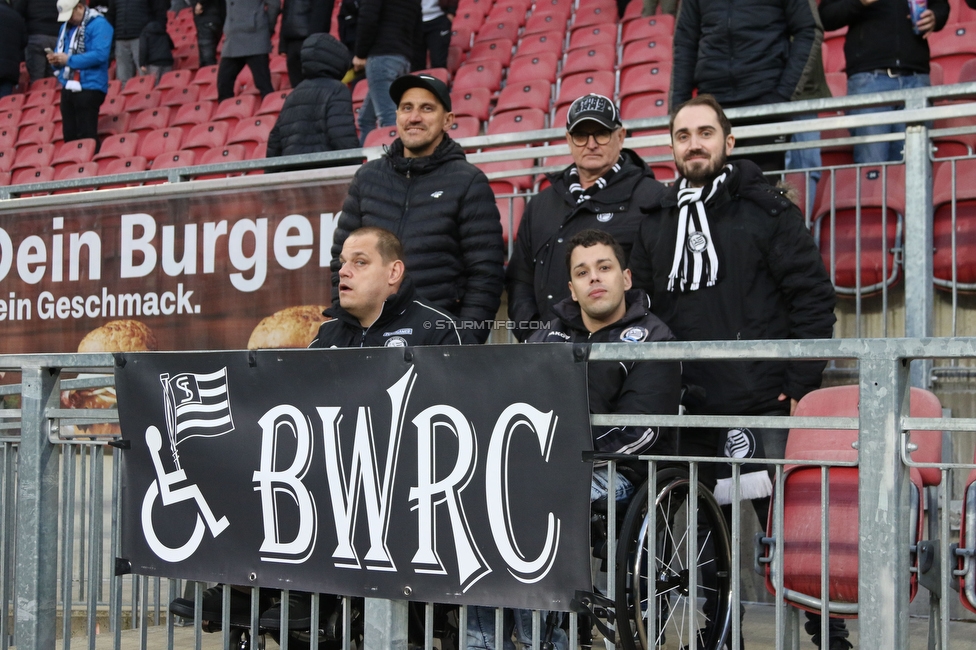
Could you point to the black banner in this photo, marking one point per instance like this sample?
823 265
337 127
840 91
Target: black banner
434 474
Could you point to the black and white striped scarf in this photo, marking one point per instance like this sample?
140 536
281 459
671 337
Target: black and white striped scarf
695 257
77 43
582 195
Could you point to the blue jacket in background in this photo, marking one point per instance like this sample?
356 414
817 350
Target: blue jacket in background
93 63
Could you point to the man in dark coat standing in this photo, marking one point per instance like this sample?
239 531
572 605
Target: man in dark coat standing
317 115
13 40
129 18
248 29
42 32
607 187
209 16
438 204
299 20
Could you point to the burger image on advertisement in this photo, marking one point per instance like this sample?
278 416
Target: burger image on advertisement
294 327
114 336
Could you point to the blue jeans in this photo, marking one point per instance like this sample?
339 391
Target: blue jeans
875 82
380 73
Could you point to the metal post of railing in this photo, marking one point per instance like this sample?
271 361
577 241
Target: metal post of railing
918 241
884 488
37 516
385 624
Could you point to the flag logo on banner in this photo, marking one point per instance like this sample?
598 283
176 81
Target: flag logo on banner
196 405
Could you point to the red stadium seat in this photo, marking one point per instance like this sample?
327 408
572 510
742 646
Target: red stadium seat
135 103
575 86
151 120
486 74
475 6
273 102
437 73
12 102
455 56
475 102
207 136
499 28
644 105
26 175
517 121
465 126
650 27
8 137
461 36
834 59
123 166
208 92
236 108
633 10
380 136
510 204
179 96
156 143
10 118
881 198
565 7
41 98
499 49
528 94
593 36
40 115
522 182
112 105
951 48
193 114
230 153
7 158
530 67
645 78
541 43
35 134
114 89
112 124
33 155
76 170
837 82
253 134
663 168
205 76
518 5
173 159
960 12
139 85
359 91
45 83
77 151
596 14
468 22
587 59
646 50
549 21
502 12
175 79
4 179
122 145
964 192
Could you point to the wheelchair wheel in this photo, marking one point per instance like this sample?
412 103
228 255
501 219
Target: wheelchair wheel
654 604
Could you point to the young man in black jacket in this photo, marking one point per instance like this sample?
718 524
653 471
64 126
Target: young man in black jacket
728 257
607 187
436 202
377 303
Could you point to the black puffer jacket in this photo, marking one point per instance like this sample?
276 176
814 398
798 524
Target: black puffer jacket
302 18
130 17
443 210
772 284
881 35
13 40
317 115
537 276
155 45
386 27
742 52
650 387
406 320
41 16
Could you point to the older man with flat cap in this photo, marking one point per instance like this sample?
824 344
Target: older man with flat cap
438 204
605 188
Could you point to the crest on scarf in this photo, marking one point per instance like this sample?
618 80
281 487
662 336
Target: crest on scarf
697 242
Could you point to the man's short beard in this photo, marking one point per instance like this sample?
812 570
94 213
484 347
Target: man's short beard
705 175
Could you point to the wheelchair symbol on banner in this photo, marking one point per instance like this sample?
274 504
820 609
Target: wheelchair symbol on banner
202 410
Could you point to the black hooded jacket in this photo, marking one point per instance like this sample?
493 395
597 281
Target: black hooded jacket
386 27
537 277
302 18
405 321
317 115
13 40
443 210
130 17
41 16
648 387
771 284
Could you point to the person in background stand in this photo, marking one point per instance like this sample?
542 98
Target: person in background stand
249 26
42 33
209 16
81 60
435 34
815 87
13 40
155 51
129 18
299 20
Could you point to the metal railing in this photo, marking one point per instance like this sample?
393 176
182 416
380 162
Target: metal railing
59 499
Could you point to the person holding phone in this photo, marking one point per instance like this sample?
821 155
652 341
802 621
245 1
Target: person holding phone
80 60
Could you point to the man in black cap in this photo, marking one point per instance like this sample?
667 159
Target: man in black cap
439 205
605 188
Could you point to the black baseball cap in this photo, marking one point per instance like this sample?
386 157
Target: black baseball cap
425 81
596 108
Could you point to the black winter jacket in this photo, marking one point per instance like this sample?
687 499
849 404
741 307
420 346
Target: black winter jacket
214 11
741 51
41 16
155 45
130 17
649 387
880 35
302 18
406 320
537 278
386 27
443 210
317 115
13 40
772 284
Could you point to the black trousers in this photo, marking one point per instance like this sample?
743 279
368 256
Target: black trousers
209 31
79 113
293 58
435 38
230 67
